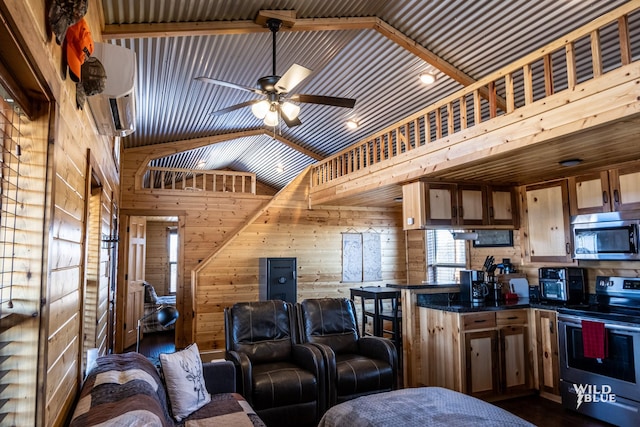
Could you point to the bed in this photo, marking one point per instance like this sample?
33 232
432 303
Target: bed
152 302
432 406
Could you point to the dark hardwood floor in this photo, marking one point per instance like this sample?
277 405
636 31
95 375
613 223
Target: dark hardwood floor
536 410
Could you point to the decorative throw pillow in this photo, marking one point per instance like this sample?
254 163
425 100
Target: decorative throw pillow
185 383
150 293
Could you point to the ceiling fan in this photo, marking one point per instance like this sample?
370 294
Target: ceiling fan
276 101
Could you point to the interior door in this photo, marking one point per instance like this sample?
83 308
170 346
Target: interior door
134 278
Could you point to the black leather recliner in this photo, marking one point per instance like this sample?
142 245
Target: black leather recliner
282 380
356 366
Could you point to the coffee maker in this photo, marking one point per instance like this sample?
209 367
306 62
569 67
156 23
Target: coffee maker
473 286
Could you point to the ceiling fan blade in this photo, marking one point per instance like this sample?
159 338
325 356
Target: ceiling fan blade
235 107
292 78
228 84
325 100
291 123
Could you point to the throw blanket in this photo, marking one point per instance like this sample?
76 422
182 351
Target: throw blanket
427 406
122 389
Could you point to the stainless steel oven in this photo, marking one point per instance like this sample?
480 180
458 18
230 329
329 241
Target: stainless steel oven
606 388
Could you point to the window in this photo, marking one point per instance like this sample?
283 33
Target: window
173 260
445 256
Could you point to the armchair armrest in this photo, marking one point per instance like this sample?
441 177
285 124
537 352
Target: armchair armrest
219 376
244 373
329 359
310 358
379 348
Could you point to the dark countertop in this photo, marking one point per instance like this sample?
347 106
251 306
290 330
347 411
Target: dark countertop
468 307
423 285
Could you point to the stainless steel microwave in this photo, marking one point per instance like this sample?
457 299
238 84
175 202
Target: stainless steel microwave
606 236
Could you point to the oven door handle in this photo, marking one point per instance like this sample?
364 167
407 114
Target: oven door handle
613 327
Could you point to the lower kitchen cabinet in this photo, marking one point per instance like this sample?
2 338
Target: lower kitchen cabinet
484 354
547 353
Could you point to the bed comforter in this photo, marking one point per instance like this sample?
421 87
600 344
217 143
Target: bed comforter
426 406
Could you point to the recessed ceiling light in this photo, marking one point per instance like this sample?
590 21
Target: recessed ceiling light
280 169
570 162
352 124
427 78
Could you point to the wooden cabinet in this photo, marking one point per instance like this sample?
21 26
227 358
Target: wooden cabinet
484 354
548 222
413 205
606 191
502 206
547 352
455 204
451 205
496 357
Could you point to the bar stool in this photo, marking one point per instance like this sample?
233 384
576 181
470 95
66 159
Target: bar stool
380 313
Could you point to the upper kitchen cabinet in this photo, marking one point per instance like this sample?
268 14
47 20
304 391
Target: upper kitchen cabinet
436 204
413 205
502 206
455 204
606 191
548 222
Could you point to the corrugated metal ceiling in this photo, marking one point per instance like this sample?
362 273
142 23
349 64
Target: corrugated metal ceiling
476 36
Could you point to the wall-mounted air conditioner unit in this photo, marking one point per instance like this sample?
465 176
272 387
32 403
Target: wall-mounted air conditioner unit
114 110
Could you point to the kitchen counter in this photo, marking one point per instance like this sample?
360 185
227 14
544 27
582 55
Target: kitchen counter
428 288
451 302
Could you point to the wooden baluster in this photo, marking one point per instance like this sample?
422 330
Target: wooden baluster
528 84
625 44
162 177
173 180
450 122
477 107
493 105
548 75
511 99
438 124
224 183
570 56
463 112
596 54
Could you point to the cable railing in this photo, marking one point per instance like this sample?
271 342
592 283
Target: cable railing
607 43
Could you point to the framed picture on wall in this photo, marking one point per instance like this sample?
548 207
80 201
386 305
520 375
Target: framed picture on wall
493 238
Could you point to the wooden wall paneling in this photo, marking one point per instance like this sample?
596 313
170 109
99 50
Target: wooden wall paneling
157 264
286 227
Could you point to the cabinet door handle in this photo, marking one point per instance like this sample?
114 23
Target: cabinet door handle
616 196
479 321
605 197
551 327
567 248
460 212
512 317
454 212
491 211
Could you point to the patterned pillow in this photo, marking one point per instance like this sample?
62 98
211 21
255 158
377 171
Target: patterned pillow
150 295
185 383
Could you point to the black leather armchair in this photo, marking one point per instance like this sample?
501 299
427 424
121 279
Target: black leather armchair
282 380
356 366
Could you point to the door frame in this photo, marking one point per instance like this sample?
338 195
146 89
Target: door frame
185 308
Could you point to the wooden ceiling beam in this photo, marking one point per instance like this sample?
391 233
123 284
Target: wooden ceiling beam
157 151
213 28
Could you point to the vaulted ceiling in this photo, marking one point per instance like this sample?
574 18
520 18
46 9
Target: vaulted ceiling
372 51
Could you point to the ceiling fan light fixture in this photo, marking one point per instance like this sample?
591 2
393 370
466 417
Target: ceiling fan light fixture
271 118
260 109
290 110
427 78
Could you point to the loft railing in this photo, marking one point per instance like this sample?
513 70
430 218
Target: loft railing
584 54
198 180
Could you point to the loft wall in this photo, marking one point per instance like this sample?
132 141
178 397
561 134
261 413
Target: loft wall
288 228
